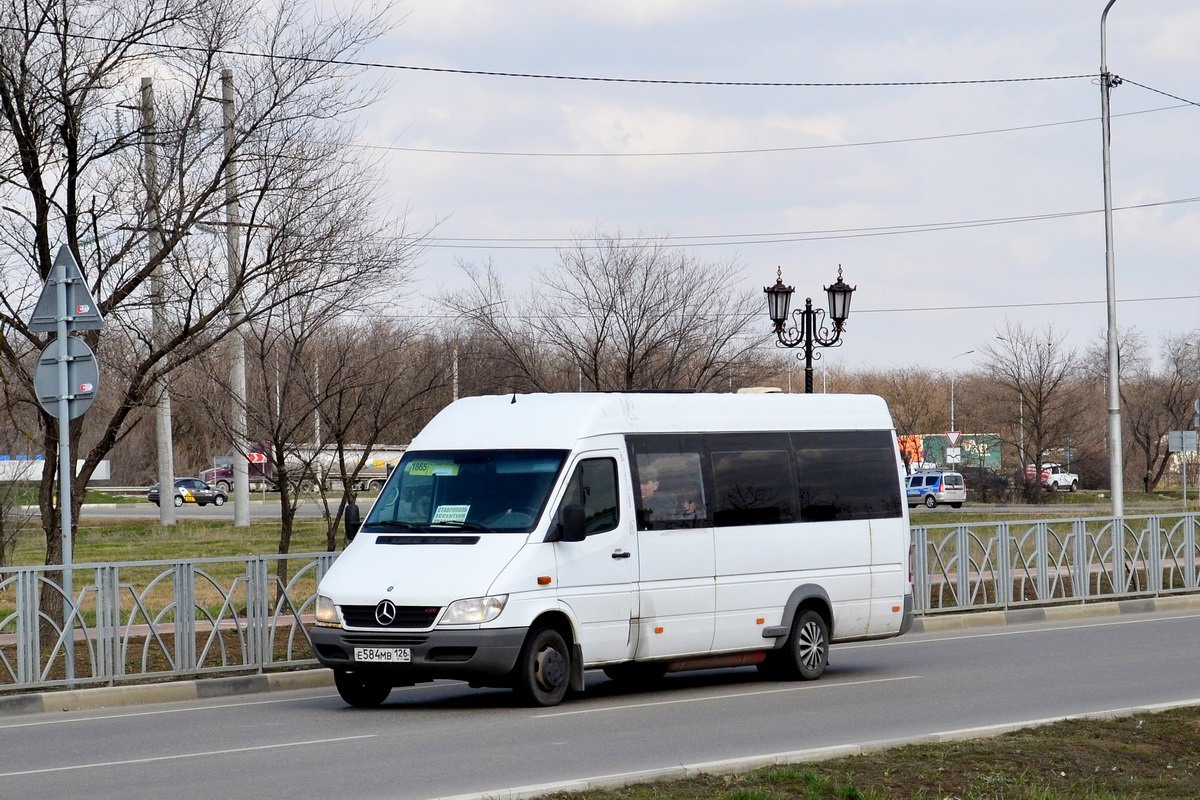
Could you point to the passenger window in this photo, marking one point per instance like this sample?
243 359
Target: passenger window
848 475
670 488
593 485
752 479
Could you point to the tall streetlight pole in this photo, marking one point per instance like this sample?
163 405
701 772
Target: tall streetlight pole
1116 472
952 376
807 331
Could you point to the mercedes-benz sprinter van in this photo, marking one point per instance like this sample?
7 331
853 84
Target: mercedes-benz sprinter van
524 539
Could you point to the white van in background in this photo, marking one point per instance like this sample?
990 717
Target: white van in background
524 539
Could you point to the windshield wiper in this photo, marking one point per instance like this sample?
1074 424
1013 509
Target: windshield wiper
462 526
393 525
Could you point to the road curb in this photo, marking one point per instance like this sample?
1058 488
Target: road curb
1023 616
173 692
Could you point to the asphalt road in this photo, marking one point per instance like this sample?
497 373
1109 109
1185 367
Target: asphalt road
445 739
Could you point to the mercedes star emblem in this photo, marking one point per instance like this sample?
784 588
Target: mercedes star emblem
385 613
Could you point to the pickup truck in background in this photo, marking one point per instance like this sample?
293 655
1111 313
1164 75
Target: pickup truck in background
1054 477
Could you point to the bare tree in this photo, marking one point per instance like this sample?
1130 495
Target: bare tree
623 315
70 171
1038 369
378 379
1155 398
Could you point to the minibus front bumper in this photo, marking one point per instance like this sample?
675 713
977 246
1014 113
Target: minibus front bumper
478 655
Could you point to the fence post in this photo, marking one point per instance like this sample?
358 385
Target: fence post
1189 551
185 615
108 622
1041 536
1154 566
962 541
920 570
1120 582
257 612
1081 573
1003 581
28 636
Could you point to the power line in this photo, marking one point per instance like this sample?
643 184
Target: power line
1160 91
757 150
734 239
545 76
909 310
1049 304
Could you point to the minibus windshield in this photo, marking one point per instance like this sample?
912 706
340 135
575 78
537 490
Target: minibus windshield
496 491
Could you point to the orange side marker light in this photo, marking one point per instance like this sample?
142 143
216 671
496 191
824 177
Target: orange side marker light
543 580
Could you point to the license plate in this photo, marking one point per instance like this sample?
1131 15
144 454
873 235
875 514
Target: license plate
383 655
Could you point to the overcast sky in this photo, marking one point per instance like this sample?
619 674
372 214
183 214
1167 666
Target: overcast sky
848 175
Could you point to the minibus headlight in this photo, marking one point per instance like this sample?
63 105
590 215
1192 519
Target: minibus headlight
327 612
474 610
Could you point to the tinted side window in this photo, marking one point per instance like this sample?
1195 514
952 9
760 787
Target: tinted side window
846 475
669 481
593 485
753 482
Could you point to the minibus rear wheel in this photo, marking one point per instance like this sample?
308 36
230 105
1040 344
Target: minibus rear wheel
543 671
359 690
809 645
804 655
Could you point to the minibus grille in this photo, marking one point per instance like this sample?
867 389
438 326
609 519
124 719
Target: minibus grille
406 617
382 640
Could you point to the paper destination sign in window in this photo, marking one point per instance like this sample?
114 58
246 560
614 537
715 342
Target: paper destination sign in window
450 514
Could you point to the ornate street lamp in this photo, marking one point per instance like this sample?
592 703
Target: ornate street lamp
806 332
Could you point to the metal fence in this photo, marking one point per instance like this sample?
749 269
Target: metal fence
169 619
156 619
990 565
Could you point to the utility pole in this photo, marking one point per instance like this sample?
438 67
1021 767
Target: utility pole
162 415
237 369
1116 461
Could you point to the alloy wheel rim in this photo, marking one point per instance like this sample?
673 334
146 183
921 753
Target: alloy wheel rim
811 645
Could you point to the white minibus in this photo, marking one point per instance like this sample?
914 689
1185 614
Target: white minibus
524 539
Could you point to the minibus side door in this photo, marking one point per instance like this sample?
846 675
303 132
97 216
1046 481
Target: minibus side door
597 577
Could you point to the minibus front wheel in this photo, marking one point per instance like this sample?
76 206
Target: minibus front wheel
361 690
543 671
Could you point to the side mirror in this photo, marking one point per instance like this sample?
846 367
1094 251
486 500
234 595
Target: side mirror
353 522
574 523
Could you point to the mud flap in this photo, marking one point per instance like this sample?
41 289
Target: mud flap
576 684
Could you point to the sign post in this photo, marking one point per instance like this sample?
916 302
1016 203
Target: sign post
1183 442
65 383
953 452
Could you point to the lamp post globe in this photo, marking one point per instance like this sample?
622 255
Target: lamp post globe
807 331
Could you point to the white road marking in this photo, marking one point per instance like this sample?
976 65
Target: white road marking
731 695
154 759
